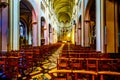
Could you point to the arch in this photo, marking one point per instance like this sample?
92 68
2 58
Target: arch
90 19
50 34
23 29
43 28
42 21
28 17
22 33
79 21
50 28
79 31
88 7
26 7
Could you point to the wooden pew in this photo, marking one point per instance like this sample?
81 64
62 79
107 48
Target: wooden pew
17 62
110 73
107 64
37 56
65 74
78 51
29 59
101 64
3 64
69 74
77 63
94 64
62 63
80 55
12 64
78 72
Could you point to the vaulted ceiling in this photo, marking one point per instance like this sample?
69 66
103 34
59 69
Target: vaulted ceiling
63 9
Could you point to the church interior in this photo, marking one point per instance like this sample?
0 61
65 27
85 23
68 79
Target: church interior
59 39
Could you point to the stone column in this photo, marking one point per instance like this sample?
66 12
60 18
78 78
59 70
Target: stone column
30 35
86 33
98 25
82 27
14 24
102 27
39 23
35 29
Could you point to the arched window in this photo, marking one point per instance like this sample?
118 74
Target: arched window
22 30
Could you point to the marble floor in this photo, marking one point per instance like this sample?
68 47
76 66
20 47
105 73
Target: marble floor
47 65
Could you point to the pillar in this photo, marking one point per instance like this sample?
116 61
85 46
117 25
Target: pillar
46 26
82 27
39 23
79 30
86 33
34 29
102 27
78 34
30 36
75 35
98 25
14 25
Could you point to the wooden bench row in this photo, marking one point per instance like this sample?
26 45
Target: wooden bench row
22 62
75 74
78 51
81 55
94 64
75 47
89 54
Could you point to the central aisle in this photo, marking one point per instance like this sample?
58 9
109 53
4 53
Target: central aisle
48 65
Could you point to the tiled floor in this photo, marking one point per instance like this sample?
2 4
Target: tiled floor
47 66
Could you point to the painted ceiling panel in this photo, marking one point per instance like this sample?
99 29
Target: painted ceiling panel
63 9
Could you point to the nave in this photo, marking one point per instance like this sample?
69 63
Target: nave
60 61
59 39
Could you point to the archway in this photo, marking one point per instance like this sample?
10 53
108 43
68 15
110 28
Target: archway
23 33
92 30
43 28
27 16
90 20
79 30
50 34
